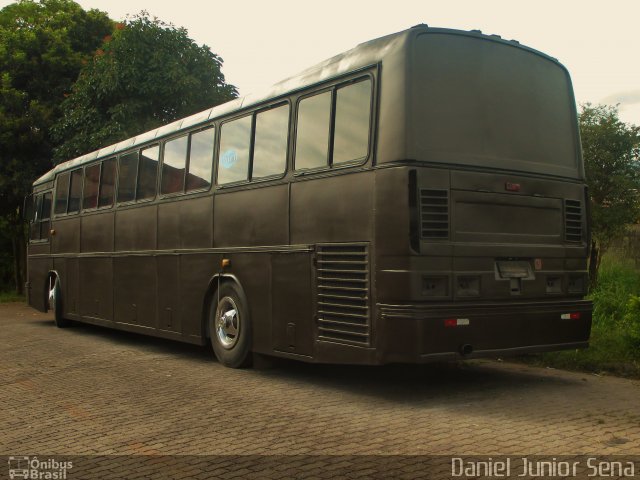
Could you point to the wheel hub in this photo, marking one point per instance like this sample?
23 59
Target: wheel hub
227 323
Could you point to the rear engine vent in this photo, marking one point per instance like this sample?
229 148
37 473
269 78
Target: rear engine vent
573 221
434 213
343 293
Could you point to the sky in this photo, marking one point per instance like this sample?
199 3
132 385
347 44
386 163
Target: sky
262 42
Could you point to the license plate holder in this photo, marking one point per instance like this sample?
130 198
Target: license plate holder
508 269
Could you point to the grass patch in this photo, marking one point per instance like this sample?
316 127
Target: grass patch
6 297
615 334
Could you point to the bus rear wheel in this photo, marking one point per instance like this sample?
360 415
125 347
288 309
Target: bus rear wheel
230 326
55 303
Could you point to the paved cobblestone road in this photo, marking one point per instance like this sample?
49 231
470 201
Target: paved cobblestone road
88 390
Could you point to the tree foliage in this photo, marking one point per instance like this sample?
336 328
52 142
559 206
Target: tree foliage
147 74
42 48
611 150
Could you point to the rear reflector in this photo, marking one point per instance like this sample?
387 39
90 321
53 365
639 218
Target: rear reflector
456 322
570 316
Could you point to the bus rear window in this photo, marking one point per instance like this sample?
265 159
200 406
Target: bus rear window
490 104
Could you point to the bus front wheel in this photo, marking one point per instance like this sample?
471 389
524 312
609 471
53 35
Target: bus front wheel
55 303
230 326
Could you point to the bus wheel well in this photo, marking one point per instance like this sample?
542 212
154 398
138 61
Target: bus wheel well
51 277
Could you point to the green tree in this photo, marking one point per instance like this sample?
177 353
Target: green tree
611 150
148 74
42 48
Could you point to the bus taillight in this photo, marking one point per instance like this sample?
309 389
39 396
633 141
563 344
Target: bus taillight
456 322
570 316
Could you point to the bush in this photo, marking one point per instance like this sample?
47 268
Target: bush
615 334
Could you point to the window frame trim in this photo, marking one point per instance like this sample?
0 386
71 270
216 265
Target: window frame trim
333 87
188 134
92 209
115 185
275 176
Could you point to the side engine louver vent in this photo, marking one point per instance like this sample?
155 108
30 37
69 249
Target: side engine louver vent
573 221
434 213
343 293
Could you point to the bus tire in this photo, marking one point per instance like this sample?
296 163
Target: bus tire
230 326
55 303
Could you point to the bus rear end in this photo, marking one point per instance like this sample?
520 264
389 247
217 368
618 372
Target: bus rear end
484 251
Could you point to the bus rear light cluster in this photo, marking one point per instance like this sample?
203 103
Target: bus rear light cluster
570 316
456 322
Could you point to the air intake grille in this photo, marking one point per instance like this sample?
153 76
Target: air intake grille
343 293
434 214
573 221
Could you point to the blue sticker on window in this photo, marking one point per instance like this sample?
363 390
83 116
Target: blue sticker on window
229 158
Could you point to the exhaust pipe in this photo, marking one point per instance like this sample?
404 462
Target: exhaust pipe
466 349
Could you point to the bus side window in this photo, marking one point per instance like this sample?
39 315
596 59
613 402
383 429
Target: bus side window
270 144
45 216
353 112
200 160
147 173
91 184
107 183
75 191
127 177
174 163
34 228
312 140
62 193
40 222
233 160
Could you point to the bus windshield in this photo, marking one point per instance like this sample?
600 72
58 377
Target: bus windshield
492 104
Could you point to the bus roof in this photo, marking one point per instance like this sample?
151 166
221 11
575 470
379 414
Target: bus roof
365 54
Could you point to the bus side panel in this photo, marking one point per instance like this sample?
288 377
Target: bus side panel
96 288
38 269
196 271
135 290
185 223
253 271
393 209
67 269
255 217
97 232
66 238
291 307
136 228
169 293
332 209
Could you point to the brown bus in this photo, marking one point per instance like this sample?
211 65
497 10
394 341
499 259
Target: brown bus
418 197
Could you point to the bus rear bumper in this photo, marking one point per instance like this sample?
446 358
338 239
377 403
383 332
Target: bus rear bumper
502 352
420 333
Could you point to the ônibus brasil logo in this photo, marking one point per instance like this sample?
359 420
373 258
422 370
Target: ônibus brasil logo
34 469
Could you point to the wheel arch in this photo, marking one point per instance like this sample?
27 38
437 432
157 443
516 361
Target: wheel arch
50 274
